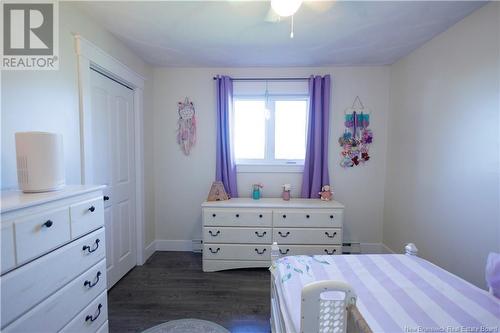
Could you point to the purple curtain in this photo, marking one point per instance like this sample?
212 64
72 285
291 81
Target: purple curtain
225 166
316 162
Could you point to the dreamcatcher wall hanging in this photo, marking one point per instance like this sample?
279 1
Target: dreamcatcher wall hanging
356 140
186 130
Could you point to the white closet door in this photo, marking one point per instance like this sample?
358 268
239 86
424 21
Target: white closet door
112 164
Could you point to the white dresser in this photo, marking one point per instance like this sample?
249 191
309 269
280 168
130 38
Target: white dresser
238 233
53 265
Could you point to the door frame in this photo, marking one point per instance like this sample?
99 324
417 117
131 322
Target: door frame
89 56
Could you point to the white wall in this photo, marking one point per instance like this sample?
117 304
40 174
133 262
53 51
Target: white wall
443 147
182 183
48 100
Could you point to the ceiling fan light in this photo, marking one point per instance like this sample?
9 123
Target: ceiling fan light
285 8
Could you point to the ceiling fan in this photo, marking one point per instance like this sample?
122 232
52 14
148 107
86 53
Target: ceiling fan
287 8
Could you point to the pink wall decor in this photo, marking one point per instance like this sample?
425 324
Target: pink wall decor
186 130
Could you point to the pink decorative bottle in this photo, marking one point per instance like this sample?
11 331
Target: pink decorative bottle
286 192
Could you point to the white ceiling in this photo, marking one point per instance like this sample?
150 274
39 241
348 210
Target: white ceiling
235 33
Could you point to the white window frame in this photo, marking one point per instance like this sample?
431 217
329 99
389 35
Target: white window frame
269 163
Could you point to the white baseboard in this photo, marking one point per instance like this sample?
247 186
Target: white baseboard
174 245
375 248
388 250
166 245
149 250
187 246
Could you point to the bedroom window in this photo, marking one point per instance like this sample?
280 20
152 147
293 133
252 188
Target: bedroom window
270 133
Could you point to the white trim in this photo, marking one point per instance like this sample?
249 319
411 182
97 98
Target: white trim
269 168
387 249
90 56
372 248
149 250
174 245
269 150
187 246
109 64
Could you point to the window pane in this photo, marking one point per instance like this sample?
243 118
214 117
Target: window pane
290 130
249 129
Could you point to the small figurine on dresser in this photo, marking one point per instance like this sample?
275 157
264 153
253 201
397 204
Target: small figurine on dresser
217 192
326 193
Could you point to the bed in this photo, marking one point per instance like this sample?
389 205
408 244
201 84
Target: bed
375 293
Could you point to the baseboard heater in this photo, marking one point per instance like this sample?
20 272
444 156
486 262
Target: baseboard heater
351 248
197 245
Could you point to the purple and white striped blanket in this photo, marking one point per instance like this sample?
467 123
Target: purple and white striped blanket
396 293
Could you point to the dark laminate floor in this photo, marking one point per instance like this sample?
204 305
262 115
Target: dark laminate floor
171 285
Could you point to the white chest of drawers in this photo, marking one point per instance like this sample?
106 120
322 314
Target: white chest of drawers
53 268
238 233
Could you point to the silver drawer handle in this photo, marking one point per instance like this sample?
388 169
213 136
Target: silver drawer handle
260 252
330 236
262 235
330 252
214 234
216 251
284 235
284 252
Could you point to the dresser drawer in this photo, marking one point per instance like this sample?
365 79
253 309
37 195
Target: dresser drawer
104 328
237 235
296 250
236 251
8 258
38 234
307 236
30 284
308 218
86 216
237 217
91 318
56 311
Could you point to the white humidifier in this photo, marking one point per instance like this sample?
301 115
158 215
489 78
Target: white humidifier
40 161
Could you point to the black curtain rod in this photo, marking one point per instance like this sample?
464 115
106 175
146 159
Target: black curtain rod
269 79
